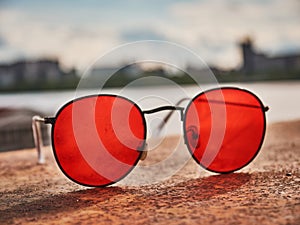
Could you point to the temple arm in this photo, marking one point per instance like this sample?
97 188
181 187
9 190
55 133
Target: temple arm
167 117
37 136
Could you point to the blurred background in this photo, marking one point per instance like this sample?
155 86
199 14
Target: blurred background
45 46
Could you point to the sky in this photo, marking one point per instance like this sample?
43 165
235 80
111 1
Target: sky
79 31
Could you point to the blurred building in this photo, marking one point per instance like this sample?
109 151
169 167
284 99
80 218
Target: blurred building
103 73
31 72
258 63
112 76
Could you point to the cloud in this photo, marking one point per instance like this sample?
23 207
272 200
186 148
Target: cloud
2 42
209 24
26 36
211 28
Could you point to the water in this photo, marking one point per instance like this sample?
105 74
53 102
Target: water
281 97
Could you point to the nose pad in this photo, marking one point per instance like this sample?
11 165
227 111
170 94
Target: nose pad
193 137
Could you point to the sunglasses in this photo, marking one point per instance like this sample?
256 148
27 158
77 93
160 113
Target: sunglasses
98 139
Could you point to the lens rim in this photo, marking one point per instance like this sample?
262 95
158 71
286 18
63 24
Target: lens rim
263 111
139 150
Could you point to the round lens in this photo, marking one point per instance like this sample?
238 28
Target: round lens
224 128
97 140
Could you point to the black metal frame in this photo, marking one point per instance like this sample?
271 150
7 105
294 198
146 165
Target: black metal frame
183 110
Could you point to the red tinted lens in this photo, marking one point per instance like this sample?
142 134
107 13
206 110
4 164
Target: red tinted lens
96 139
224 128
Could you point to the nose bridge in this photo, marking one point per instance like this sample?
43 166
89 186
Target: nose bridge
166 108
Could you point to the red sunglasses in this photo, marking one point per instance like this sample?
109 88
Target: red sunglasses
97 140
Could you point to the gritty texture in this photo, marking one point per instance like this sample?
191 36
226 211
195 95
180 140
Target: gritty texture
265 192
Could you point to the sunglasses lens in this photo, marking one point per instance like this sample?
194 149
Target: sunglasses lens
224 128
97 139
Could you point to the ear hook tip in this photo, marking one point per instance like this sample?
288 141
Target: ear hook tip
266 108
144 152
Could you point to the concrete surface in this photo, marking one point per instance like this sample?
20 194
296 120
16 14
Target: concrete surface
265 192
